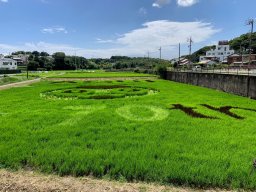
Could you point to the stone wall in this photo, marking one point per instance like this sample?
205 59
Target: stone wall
236 84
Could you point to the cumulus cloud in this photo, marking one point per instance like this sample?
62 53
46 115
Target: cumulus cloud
163 32
186 3
53 30
137 42
160 3
4 1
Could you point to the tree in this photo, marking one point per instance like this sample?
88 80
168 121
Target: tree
162 70
36 53
18 53
44 54
59 61
243 42
49 64
33 65
30 57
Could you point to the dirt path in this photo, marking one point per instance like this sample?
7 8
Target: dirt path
34 182
19 84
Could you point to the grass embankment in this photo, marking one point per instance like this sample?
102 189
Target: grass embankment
148 137
12 79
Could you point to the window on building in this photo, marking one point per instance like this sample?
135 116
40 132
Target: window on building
219 48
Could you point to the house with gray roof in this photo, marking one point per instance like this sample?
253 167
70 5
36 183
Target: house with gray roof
8 64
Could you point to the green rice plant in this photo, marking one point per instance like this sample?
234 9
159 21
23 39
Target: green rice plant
133 138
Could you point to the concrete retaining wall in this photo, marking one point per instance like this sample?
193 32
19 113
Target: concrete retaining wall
235 84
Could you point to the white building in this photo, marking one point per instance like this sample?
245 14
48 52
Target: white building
221 52
21 59
8 64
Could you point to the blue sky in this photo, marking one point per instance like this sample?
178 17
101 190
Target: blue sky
101 28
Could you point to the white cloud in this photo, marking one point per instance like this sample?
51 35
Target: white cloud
53 30
143 11
99 40
164 33
160 3
4 1
186 3
137 42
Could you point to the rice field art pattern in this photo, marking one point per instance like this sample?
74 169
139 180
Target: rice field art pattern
179 135
142 113
97 92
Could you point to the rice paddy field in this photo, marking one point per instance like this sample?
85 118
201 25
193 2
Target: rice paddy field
99 74
85 74
133 130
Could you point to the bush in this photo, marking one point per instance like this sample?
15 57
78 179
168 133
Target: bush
161 70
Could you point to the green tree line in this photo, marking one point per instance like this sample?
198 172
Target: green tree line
60 61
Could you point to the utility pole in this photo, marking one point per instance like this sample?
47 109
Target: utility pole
190 49
148 55
26 63
179 53
160 50
241 53
250 22
75 61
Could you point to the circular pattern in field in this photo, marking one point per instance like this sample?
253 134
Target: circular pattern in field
142 113
98 92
